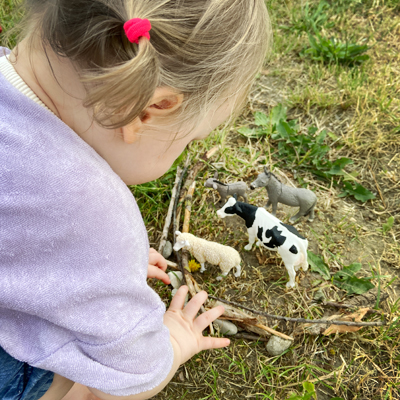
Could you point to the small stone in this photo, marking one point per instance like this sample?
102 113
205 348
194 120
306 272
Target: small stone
277 345
225 327
167 250
176 279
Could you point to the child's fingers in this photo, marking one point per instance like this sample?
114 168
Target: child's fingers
179 299
204 320
154 272
193 307
157 259
209 342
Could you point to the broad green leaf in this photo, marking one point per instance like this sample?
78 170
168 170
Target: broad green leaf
278 113
346 280
354 285
349 270
338 165
309 387
248 132
317 265
388 225
260 119
359 192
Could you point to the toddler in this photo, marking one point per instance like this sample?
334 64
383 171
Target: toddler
96 95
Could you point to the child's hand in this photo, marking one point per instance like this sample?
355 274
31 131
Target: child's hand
157 266
186 330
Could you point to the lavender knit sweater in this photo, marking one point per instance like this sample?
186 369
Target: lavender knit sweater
73 259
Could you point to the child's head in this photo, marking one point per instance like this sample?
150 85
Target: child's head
206 50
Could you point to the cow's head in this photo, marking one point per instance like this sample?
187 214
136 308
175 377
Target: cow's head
180 242
230 208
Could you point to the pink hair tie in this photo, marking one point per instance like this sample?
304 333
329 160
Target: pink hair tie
136 28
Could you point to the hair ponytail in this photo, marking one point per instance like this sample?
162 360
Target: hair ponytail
119 94
207 50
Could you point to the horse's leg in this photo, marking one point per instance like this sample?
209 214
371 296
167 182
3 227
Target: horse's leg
311 216
296 217
274 207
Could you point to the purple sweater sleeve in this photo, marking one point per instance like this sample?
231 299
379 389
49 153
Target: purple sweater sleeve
73 259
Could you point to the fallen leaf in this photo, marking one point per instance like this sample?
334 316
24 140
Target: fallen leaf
354 317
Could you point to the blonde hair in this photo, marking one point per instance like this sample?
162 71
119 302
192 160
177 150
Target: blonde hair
204 49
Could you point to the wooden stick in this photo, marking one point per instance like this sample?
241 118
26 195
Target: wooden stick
274 332
300 320
167 224
188 207
172 265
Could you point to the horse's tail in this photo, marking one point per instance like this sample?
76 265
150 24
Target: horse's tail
311 207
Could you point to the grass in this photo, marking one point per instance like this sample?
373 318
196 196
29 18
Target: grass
357 105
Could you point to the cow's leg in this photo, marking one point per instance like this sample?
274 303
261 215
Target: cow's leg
292 276
268 203
238 271
252 238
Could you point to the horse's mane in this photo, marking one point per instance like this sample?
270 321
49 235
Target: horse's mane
275 177
223 184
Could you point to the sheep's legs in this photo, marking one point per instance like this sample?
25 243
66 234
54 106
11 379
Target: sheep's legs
238 271
203 268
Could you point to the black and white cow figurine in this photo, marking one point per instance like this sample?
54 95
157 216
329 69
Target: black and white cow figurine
272 234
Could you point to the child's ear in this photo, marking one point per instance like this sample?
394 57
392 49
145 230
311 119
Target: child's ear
164 102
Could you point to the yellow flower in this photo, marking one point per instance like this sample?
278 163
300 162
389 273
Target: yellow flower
193 266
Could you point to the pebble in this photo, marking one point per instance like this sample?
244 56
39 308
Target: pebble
225 327
277 345
176 279
167 250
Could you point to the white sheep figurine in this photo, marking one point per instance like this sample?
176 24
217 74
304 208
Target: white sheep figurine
214 253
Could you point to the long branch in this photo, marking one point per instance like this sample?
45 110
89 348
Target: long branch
167 224
301 320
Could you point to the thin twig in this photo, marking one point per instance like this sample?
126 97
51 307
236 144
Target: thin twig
300 320
188 207
167 224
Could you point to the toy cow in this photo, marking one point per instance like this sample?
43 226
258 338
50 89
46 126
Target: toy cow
238 188
272 234
280 193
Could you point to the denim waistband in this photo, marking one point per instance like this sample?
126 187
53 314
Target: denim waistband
20 381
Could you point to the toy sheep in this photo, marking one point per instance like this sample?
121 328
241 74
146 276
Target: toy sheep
238 188
214 253
272 234
280 193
